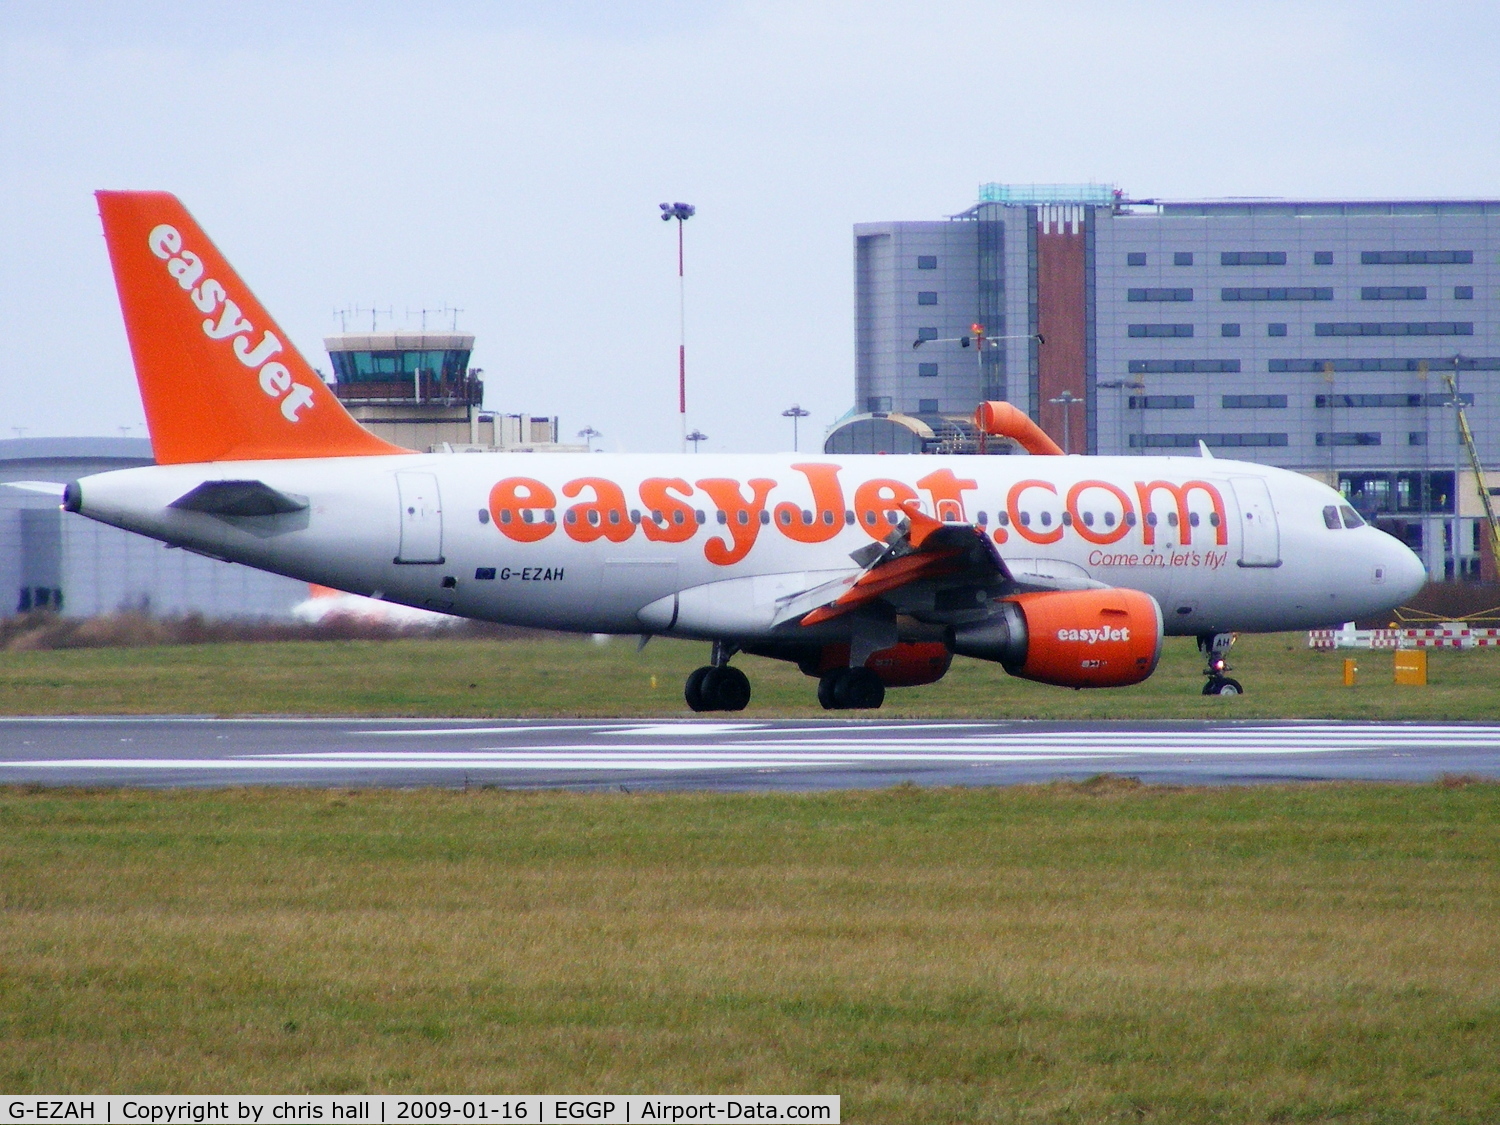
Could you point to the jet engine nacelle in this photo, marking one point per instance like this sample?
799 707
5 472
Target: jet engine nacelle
1072 638
907 664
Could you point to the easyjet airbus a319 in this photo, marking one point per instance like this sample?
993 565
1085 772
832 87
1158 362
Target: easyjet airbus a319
866 572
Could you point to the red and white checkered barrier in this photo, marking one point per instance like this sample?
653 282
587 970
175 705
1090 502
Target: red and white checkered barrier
1450 634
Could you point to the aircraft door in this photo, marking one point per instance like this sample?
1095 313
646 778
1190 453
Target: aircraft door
421 518
1260 538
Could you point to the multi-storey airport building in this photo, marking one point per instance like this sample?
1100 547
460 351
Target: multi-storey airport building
1314 335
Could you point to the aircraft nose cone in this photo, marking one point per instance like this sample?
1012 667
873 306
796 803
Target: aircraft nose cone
1405 574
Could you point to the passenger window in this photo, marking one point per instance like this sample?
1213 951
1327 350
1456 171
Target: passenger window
1193 519
1331 517
1351 517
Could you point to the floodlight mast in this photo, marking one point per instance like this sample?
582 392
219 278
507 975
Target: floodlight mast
681 212
795 412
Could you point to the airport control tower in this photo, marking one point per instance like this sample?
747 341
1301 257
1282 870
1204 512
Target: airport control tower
416 389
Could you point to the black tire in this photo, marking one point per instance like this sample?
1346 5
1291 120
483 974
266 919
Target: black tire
1223 685
731 689
859 689
828 688
693 692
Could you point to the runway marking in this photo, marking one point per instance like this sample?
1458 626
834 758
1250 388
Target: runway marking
834 747
702 750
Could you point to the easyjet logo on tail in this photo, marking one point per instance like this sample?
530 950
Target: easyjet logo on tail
226 322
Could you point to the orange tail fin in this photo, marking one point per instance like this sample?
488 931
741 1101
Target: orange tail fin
219 380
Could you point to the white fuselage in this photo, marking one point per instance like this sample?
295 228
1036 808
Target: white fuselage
1254 553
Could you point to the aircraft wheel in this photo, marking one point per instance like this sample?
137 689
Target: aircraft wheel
859 689
1223 685
731 689
827 683
692 691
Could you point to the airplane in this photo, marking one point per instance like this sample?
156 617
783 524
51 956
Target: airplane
867 572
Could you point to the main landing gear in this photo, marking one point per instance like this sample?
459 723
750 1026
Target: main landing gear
1216 646
717 686
846 689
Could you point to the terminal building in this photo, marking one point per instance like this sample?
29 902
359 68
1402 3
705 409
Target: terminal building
1312 335
54 560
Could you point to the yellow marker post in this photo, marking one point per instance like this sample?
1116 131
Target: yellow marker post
1351 669
1411 667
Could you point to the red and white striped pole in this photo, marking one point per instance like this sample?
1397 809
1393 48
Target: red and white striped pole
681 212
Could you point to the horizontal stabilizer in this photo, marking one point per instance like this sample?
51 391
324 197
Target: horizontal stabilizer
239 498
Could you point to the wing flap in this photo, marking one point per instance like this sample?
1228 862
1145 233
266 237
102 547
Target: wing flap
922 553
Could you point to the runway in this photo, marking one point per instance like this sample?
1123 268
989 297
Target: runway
727 755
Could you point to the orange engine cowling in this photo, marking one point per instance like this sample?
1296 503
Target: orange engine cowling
1072 638
903 665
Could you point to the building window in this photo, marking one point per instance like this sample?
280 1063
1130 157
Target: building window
926 261
927 297
878 404
1349 438
1159 295
1322 257
1276 329
927 334
1180 366
1182 258
1463 292
927 405
1189 441
1296 293
1161 402
1229 330
1253 402
1416 437
927 370
1135 259
1154 330
1393 293
1416 258
1418 328
1253 258
1432 398
1383 363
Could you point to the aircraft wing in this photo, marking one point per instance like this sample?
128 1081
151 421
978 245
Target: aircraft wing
941 573
944 573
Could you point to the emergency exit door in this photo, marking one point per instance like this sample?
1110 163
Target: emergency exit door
1260 538
421 518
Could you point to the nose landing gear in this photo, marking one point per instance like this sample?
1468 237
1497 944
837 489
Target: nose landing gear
717 686
1216 646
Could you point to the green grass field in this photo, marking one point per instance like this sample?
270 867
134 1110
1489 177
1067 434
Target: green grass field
1069 953
573 676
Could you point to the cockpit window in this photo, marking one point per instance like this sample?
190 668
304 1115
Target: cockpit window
1331 517
1351 517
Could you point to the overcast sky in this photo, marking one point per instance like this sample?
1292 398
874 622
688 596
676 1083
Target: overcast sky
508 158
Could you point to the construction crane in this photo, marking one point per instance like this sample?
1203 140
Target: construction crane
1484 493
